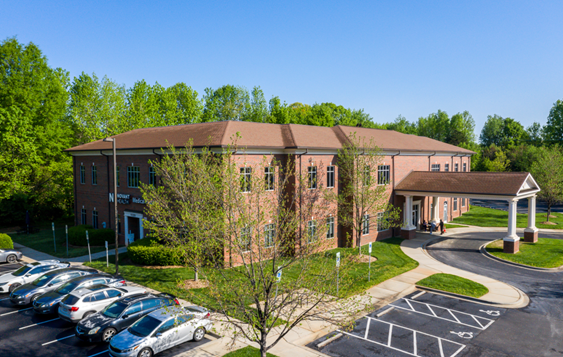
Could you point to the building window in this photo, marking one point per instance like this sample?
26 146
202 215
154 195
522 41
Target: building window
245 239
94 175
311 231
95 219
365 224
464 166
133 173
330 227
383 174
152 176
82 174
269 234
367 175
330 176
455 203
447 167
435 167
456 167
245 176
463 202
380 222
119 223
269 178
312 173
117 172
83 217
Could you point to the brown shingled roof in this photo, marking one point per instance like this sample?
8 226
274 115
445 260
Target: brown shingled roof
493 183
264 135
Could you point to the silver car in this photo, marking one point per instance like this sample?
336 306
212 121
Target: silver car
10 256
161 330
28 273
84 302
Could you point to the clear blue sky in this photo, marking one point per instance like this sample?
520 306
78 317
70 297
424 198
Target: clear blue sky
390 58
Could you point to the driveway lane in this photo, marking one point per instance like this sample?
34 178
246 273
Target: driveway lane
536 330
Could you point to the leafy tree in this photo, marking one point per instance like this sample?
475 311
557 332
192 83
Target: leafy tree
476 159
503 132
554 126
461 129
258 111
493 159
547 170
402 125
521 157
226 103
535 134
435 126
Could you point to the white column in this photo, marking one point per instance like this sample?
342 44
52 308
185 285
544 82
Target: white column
512 237
408 214
531 215
435 210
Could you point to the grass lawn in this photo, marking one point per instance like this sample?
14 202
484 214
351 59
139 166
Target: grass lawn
391 262
454 284
43 242
488 217
247 351
546 253
449 225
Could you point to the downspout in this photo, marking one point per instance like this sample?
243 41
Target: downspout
75 197
393 199
109 188
429 156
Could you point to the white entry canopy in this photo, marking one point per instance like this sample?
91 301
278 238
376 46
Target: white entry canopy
483 185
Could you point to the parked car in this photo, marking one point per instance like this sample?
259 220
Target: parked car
28 273
84 302
10 256
103 325
26 294
161 330
49 303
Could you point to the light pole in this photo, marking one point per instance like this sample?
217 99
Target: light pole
112 140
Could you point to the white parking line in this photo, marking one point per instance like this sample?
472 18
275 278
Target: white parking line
415 332
99 353
5 299
13 312
479 326
57 340
39 323
367 329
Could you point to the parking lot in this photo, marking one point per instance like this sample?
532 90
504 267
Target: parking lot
23 333
420 324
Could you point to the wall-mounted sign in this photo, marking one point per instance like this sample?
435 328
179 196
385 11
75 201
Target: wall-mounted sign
126 199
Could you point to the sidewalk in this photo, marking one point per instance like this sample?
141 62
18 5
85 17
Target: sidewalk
32 255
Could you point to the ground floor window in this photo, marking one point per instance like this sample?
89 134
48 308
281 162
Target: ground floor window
83 217
330 227
311 231
245 239
380 222
95 219
269 233
365 224
455 204
463 202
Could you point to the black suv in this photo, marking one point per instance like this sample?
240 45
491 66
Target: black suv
103 325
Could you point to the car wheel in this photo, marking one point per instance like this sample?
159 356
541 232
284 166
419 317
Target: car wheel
14 287
108 334
198 334
33 298
12 259
86 314
145 352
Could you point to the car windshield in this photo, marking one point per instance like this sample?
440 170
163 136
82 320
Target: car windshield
114 310
41 281
144 327
67 288
21 271
70 299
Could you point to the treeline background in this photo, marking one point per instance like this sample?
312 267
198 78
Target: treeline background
43 111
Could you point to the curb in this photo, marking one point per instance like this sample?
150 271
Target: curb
508 262
460 297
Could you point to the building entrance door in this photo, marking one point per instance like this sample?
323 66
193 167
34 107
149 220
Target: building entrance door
445 211
415 214
133 226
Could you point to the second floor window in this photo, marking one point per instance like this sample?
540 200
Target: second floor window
365 224
383 174
330 227
311 231
367 175
83 217
152 176
94 175
464 166
245 177
456 167
330 176
269 178
82 174
95 219
435 167
117 171
447 167
133 173
269 234
312 173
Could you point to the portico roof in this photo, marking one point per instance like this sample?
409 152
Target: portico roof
491 185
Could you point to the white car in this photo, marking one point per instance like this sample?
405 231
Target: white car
84 302
28 273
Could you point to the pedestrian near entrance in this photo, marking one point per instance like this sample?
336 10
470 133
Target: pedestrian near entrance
424 226
441 227
432 227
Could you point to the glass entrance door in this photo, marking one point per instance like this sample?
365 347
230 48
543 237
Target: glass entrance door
415 214
445 211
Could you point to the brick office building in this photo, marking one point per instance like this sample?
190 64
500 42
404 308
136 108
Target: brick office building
308 146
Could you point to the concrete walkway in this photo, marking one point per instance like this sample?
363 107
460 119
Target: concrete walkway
32 255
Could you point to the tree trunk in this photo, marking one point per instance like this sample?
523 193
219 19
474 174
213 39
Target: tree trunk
548 212
263 349
195 274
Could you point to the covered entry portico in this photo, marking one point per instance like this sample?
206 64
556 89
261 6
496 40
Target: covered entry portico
508 186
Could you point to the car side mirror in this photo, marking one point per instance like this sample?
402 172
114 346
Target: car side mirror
50 284
27 275
125 316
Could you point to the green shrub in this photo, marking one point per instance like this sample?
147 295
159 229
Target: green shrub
149 251
6 242
98 237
